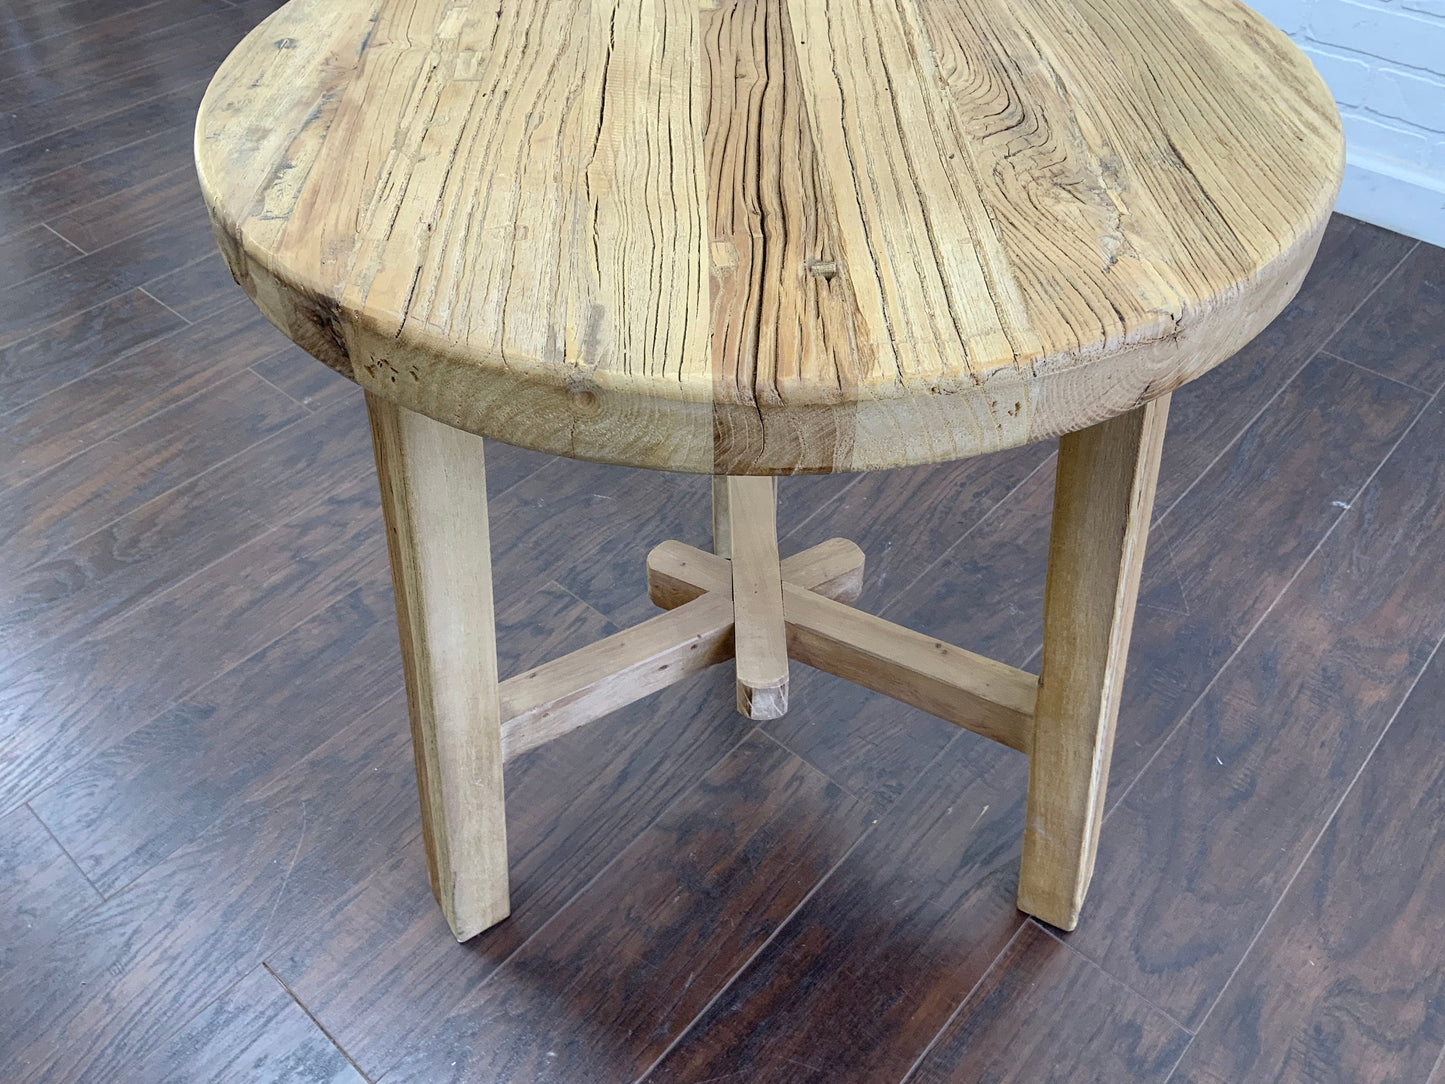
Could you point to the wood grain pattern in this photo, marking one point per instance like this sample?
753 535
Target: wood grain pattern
108 571
873 964
1206 414
129 390
341 904
1103 500
1347 981
65 704
575 805
1044 1015
977 693
760 638
1398 332
434 496
118 475
254 1032
767 236
545 702
42 890
31 252
74 347
761 827
118 983
1193 857
74 286
113 168
678 573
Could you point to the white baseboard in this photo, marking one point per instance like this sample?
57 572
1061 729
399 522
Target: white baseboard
1395 195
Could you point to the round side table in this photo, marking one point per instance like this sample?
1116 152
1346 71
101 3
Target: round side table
757 237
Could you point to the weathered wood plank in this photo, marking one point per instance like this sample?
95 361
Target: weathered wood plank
1103 501
434 496
760 639
549 700
990 698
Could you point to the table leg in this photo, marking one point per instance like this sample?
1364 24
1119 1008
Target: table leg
433 491
759 632
722 543
1102 503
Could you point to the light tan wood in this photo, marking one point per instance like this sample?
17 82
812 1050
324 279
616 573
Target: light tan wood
678 573
990 698
760 640
1102 502
434 496
721 540
977 693
547 701
768 236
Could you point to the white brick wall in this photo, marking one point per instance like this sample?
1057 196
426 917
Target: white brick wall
1385 62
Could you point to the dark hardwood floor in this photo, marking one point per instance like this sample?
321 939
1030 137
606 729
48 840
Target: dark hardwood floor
210 854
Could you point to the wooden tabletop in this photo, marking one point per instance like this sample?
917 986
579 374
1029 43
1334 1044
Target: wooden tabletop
767 236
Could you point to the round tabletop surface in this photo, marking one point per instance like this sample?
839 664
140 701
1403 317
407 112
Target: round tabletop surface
768 236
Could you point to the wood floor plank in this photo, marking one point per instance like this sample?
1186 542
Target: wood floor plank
31 252
623 969
127 976
1259 512
212 751
165 540
626 512
61 706
72 187
381 968
89 52
1401 331
255 1032
82 495
79 284
41 889
1045 1015
989 598
144 205
200 288
1224 554
146 380
1199 850
77 346
96 78
903 519
873 964
42 158
315 386
134 803
1347 981
876 747
1206 414
36 20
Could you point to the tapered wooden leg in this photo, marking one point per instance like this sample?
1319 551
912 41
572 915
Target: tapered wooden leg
721 538
433 491
761 639
1102 503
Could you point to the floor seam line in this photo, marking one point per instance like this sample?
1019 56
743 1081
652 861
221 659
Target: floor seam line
1113 804
332 1039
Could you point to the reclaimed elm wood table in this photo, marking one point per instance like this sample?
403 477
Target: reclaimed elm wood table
758 237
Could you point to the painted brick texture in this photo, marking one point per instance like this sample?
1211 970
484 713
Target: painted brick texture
1385 62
